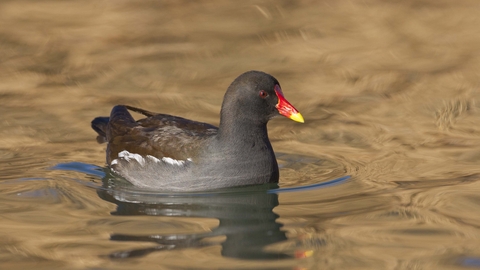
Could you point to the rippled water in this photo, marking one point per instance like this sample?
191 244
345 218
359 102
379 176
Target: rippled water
389 91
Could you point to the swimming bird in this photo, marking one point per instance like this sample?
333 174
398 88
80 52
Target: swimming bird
171 153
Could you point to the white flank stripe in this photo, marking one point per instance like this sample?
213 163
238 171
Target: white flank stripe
173 161
154 159
127 156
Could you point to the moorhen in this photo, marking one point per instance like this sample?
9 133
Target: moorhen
171 153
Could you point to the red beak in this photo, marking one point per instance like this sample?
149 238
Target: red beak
285 108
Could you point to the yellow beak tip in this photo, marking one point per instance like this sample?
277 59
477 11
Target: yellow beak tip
297 117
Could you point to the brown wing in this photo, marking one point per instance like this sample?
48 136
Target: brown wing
158 135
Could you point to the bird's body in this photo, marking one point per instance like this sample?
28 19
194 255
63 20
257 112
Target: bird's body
171 153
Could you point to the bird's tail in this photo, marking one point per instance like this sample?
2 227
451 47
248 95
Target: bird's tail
100 124
120 122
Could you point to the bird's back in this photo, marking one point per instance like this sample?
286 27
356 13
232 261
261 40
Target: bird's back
155 151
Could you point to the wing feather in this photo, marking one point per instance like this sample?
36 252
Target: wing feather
158 135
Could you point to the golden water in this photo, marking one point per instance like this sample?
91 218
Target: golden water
389 91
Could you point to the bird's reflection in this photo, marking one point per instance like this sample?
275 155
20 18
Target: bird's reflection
245 215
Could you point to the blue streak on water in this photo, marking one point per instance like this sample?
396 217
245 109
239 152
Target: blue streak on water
471 262
80 167
330 183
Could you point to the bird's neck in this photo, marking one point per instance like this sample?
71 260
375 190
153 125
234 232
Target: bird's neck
242 129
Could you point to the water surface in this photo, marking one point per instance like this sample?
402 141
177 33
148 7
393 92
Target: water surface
389 91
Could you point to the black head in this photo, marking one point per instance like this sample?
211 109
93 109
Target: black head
256 96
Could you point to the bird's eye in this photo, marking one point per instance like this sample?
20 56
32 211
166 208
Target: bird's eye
263 94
